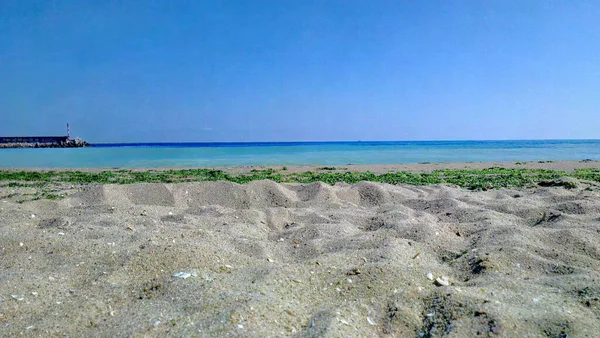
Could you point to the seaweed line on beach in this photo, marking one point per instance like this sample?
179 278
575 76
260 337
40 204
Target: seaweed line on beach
490 178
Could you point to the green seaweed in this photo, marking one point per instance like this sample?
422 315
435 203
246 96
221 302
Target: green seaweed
474 179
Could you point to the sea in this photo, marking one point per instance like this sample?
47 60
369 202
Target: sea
174 155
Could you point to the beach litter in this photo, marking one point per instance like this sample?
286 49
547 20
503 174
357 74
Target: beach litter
185 275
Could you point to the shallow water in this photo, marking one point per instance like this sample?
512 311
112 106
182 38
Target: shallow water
297 153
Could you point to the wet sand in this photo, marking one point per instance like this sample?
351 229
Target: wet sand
268 259
375 168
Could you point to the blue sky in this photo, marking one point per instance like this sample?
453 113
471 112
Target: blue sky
300 70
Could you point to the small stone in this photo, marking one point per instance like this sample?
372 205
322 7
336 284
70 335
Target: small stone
430 276
34 293
32 216
21 244
354 272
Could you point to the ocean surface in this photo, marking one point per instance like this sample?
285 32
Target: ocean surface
150 155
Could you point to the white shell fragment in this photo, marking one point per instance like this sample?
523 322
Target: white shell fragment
443 281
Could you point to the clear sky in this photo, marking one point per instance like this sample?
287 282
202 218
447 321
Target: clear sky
300 70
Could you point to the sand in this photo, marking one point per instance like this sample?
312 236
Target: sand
375 168
266 259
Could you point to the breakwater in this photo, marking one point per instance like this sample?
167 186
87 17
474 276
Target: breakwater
42 142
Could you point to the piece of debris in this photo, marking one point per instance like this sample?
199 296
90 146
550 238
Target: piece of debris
371 321
430 276
17 298
183 275
416 255
32 216
130 228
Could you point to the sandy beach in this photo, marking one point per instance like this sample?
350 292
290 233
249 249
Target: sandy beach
303 260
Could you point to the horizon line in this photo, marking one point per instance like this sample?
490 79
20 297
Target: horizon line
345 141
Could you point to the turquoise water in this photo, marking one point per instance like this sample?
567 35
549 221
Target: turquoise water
320 153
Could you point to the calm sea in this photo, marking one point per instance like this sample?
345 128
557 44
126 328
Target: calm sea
297 153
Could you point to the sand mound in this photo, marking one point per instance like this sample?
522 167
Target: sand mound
268 259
